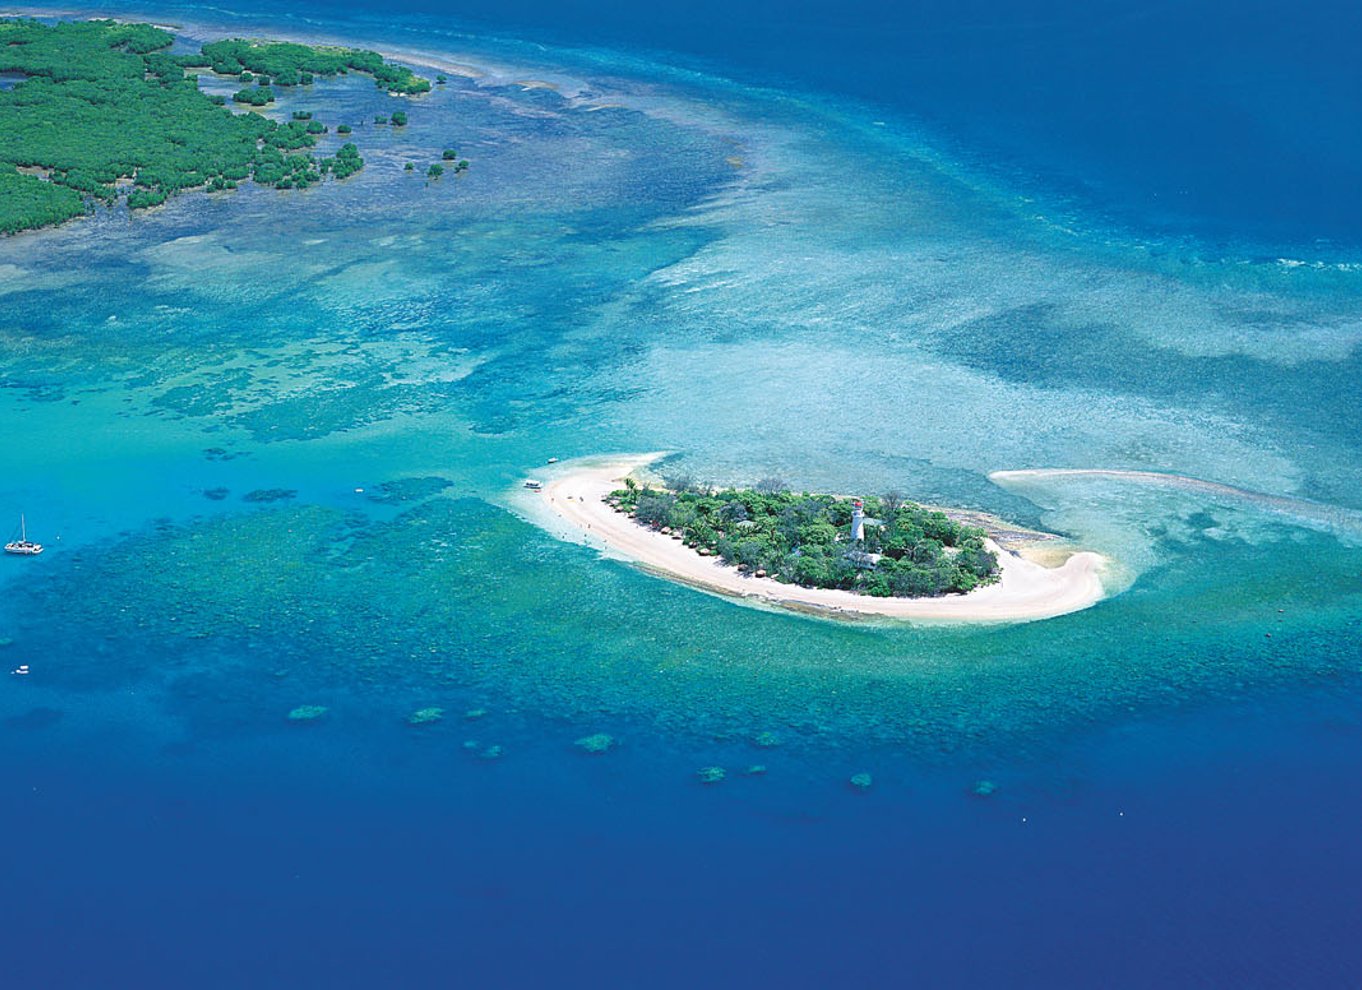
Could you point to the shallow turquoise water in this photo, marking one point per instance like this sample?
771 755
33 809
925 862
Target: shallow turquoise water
644 259
763 284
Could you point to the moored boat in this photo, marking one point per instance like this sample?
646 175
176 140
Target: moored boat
23 546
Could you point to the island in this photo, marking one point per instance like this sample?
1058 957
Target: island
287 63
818 554
882 546
104 111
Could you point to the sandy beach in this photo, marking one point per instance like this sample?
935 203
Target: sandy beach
570 506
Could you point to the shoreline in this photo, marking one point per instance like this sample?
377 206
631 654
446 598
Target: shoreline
570 507
254 28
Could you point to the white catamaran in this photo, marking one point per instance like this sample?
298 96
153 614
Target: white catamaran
23 546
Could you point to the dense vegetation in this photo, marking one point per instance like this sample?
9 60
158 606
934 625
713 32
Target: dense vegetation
26 201
103 106
256 96
908 551
346 163
289 64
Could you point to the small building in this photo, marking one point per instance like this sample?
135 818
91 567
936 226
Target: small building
862 560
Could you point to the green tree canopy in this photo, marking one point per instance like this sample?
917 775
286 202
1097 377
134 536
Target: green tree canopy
291 64
908 550
103 102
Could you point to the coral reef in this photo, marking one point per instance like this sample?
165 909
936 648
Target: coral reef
269 495
307 713
407 490
425 716
600 742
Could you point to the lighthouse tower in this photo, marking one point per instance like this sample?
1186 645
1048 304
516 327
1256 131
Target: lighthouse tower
857 521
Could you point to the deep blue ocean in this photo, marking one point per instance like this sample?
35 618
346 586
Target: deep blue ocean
272 442
1230 121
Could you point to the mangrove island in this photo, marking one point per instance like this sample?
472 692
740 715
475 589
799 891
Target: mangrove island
103 110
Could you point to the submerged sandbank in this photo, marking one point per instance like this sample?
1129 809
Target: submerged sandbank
1340 521
570 505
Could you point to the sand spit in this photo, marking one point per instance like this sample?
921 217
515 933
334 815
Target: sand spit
569 505
1318 515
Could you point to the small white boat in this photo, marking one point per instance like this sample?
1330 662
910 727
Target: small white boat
20 671
533 485
553 460
23 547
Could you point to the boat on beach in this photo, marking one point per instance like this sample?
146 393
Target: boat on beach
23 546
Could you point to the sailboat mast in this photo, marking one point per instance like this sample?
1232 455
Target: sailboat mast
23 529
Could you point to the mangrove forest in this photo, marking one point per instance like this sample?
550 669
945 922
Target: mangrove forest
103 109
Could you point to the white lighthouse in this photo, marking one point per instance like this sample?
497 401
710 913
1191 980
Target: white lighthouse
857 521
